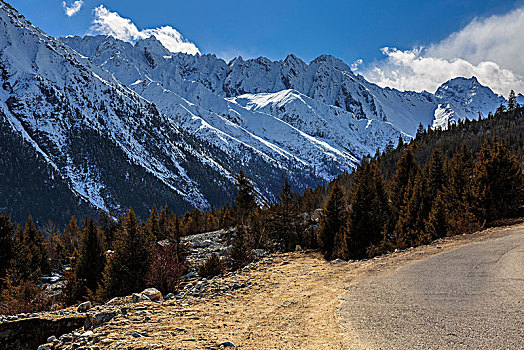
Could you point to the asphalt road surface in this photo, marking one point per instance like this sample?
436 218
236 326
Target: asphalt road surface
468 298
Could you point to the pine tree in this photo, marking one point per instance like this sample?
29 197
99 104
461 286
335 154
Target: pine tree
436 174
332 221
402 184
411 220
401 143
458 195
498 183
71 236
153 224
308 201
92 259
512 101
437 223
7 233
286 219
369 211
390 146
420 130
164 222
241 253
128 264
245 200
34 239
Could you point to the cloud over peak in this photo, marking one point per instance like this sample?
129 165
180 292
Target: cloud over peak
111 23
488 48
71 10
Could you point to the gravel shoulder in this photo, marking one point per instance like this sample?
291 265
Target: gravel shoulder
285 301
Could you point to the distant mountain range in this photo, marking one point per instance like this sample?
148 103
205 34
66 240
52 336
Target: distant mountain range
98 123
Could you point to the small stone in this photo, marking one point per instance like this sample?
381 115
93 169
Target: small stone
138 297
102 317
169 296
136 335
84 307
152 293
66 338
43 347
86 334
52 339
226 344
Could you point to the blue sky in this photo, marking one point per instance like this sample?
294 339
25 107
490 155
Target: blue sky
349 30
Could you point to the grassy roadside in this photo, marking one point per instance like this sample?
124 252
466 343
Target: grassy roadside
289 302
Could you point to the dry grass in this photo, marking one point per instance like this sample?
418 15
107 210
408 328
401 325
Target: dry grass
291 305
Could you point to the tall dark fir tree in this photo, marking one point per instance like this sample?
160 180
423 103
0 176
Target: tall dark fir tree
332 222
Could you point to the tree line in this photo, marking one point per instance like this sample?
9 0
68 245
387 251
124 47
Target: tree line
443 183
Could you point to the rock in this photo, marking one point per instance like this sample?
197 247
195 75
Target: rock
43 347
138 297
102 317
84 307
226 344
169 296
136 335
52 339
188 276
298 248
87 334
66 338
152 293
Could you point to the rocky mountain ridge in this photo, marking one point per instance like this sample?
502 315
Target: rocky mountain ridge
104 124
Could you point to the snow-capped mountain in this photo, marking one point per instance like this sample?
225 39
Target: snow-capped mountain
464 98
109 146
107 124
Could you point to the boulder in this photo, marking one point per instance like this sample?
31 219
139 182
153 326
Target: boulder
84 307
152 293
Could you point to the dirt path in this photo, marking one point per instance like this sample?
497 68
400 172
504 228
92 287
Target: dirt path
289 301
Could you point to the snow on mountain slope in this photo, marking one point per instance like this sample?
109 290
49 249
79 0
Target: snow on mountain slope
196 79
466 98
111 145
123 124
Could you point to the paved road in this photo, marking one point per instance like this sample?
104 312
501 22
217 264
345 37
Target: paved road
468 298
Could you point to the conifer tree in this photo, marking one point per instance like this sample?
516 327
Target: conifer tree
498 183
164 223
512 101
153 224
437 223
332 222
402 184
369 211
7 232
71 236
34 239
285 220
308 201
128 264
245 199
458 195
241 252
21 263
435 173
92 258
411 221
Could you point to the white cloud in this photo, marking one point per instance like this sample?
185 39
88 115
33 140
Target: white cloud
72 9
111 23
489 49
